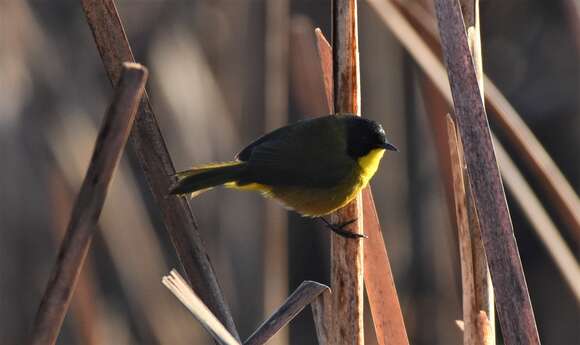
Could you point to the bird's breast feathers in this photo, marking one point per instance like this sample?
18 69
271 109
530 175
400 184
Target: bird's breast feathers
369 164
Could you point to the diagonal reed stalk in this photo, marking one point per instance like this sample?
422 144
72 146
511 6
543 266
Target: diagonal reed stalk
89 203
513 302
148 142
437 94
407 20
178 286
305 294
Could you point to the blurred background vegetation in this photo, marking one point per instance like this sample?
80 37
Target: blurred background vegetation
210 85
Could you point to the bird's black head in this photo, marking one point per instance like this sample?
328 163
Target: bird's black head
365 135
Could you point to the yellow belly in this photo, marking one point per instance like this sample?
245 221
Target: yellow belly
316 202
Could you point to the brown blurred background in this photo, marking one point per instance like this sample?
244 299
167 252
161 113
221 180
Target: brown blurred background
220 78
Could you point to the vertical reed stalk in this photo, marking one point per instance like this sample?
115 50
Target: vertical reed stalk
378 276
347 254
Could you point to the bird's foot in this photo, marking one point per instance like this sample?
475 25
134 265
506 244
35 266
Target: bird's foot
340 229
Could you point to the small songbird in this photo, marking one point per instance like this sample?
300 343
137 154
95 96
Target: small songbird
313 167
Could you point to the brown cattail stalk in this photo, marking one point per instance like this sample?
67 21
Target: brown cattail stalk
108 148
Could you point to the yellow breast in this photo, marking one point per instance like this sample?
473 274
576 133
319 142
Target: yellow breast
369 164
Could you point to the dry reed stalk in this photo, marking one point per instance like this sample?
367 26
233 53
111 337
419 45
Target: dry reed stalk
325 54
346 254
439 98
552 181
111 41
276 115
306 79
126 237
382 294
305 294
86 315
484 296
178 286
379 281
321 312
514 308
108 148
464 208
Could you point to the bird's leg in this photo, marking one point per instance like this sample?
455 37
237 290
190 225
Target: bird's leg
339 228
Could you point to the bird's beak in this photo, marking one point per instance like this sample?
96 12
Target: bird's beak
390 147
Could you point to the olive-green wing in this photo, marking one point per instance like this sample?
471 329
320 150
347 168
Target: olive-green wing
309 153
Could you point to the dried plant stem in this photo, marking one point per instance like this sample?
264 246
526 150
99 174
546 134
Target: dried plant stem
346 254
465 251
146 138
178 286
110 143
321 312
558 189
307 292
127 237
514 308
325 54
439 96
379 281
378 277
484 297
83 304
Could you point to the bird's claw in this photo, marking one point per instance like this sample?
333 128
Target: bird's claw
339 229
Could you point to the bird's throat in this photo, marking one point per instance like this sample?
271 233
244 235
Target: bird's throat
369 164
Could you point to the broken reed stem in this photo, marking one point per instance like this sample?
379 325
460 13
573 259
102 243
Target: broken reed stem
463 208
149 145
321 313
87 317
464 236
484 297
514 308
126 237
305 294
179 287
346 254
87 208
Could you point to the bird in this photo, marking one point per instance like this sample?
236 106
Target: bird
313 167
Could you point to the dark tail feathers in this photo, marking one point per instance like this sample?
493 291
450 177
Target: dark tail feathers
200 179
